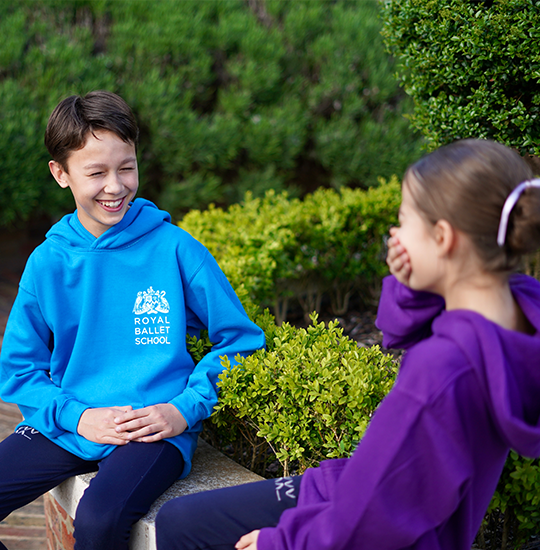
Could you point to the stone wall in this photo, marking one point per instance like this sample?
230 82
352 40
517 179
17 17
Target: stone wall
211 470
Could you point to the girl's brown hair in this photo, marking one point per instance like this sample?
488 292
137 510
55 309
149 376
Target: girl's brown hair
466 183
75 117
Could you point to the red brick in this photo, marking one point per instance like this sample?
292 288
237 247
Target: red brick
67 536
59 509
47 504
53 523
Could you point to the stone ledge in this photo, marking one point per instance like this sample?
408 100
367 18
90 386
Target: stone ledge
211 470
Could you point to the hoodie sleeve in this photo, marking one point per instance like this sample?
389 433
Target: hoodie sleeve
405 315
25 371
211 303
401 486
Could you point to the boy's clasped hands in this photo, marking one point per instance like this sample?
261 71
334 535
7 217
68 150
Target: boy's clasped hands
120 425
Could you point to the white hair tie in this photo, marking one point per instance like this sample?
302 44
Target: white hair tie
509 205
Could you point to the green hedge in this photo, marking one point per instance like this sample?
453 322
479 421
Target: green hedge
331 243
472 68
307 397
231 96
514 512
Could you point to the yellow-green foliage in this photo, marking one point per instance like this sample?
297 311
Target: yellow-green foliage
308 397
275 247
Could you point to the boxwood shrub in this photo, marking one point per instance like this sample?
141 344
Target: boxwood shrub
471 67
307 397
330 243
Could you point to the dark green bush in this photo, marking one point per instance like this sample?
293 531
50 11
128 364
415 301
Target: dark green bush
276 248
513 516
231 96
471 67
473 70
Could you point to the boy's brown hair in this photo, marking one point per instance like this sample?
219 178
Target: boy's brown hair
75 117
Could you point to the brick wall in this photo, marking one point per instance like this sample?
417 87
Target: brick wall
59 526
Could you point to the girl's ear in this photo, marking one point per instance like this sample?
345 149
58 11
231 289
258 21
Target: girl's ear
58 173
445 237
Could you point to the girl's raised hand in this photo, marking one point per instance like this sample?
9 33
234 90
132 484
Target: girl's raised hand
151 423
398 259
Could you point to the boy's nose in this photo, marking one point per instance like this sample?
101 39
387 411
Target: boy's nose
114 185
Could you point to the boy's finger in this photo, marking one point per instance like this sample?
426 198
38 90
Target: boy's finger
130 415
135 425
150 438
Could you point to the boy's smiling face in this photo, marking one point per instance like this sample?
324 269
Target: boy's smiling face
103 177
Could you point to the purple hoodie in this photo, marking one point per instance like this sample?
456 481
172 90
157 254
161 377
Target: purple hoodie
425 471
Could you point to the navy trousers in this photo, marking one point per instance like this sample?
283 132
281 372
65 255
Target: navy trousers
127 483
217 519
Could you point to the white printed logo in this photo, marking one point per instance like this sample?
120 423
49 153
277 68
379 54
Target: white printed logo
25 430
152 326
151 301
287 484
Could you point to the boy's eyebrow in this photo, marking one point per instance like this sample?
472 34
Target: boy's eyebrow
102 165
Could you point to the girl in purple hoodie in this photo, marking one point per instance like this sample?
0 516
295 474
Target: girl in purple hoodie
467 392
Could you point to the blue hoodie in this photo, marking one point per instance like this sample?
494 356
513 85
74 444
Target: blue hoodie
103 322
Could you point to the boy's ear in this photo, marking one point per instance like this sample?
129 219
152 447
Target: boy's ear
58 173
445 237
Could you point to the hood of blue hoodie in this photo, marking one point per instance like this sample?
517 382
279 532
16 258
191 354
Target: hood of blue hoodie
69 232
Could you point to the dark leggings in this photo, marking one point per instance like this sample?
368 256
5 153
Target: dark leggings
127 483
217 519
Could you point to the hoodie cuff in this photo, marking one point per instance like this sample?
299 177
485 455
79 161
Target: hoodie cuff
266 539
192 406
70 414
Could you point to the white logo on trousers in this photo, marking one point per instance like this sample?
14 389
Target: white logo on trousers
285 482
23 430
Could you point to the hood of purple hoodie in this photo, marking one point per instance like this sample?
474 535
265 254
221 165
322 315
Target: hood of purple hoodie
508 363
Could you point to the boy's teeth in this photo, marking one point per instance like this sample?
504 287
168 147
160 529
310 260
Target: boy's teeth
111 204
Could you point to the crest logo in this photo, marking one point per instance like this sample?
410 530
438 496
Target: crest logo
151 301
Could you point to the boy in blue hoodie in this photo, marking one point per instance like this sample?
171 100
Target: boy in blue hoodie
94 352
